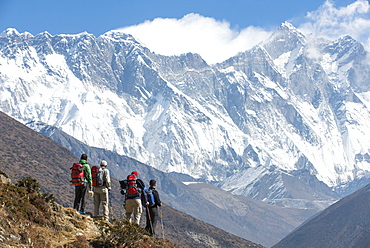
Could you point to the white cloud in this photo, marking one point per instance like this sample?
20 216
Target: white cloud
332 23
214 40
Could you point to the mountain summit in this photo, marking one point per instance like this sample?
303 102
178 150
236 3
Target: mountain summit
292 109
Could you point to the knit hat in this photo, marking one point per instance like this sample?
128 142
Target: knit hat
103 163
135 173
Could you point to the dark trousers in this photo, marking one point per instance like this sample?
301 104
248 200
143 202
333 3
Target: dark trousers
151 219
80 196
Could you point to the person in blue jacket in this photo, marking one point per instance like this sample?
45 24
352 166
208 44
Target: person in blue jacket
152 210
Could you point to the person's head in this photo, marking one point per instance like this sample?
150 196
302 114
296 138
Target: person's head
135 174
153 183
103 163
84 157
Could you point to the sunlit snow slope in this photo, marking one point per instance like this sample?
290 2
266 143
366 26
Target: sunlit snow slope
293 110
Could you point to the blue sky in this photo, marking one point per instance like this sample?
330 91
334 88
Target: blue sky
98 17
173 27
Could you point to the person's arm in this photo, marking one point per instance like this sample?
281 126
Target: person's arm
88 176
156 198
107 179
140 184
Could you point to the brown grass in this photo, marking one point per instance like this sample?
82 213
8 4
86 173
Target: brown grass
29 218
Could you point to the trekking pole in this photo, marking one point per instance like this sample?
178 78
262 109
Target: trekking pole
110 207
150 221
161 215
124 213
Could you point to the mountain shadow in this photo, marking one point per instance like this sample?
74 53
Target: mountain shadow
345 224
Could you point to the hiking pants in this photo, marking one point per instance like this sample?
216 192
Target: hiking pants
80 196
101 196
133 206
151 219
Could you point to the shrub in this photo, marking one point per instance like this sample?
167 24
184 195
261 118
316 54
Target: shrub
81 242
30 184
24 200
126 234
15 199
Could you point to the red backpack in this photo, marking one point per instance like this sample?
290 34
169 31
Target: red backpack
132 190
77 174
97 176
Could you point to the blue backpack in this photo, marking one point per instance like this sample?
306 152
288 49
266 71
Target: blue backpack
150 197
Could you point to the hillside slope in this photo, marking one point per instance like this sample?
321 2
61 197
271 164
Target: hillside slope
32 219
259 222
268 221
26 153
345 224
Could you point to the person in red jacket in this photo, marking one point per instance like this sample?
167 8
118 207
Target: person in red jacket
133 203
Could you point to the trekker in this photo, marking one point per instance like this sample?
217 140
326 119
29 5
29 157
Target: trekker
133 204
152 209
80 190
101 192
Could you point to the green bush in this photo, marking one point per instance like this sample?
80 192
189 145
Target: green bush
15 199
30 184
24 200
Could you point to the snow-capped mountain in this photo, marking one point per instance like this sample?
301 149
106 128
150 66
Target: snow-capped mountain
293 110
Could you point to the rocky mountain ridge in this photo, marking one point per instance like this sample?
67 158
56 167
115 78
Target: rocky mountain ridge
293 107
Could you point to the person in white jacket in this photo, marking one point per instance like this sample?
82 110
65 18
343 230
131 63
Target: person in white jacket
101 193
